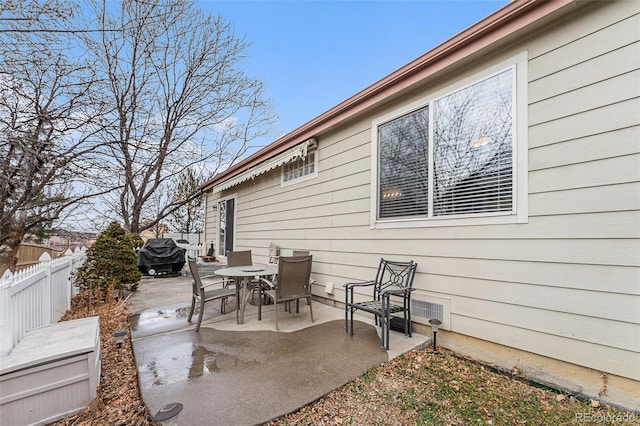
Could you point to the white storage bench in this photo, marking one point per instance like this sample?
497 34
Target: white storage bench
52 373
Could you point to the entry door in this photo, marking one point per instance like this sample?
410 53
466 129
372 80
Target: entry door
226 229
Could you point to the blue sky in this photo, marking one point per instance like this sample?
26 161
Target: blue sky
311 55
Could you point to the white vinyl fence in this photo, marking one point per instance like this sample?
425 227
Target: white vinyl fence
36 296
196 246
193 250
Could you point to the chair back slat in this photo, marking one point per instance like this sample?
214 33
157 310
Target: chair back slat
195 274
297 253
239 258
293 276
394 274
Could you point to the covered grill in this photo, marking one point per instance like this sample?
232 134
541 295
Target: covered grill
160 256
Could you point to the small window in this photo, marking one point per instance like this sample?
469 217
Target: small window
300 169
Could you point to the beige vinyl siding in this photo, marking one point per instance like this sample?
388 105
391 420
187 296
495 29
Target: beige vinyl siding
584 168
619 116
588 148
565 285
584 163
600 199
574 351
579 41
210 218
607 171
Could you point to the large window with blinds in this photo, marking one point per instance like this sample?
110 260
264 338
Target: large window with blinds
451 157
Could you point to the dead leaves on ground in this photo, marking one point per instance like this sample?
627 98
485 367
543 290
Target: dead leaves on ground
423 387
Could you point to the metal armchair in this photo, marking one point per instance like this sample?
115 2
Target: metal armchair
392 289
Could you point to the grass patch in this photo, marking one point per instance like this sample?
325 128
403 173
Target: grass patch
427 388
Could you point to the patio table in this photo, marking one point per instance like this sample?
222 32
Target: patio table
246 273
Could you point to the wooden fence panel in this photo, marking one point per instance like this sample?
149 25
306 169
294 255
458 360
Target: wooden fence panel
29 255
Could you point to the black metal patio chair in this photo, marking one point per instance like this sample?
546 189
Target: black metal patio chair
392 289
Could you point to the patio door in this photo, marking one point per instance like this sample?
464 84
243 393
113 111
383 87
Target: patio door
226 228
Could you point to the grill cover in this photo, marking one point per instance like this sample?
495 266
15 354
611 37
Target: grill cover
161 254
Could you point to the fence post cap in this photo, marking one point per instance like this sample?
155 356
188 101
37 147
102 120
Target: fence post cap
45 257
7 276
68 252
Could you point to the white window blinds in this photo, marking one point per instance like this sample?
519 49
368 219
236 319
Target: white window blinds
473 148
470 136
404 165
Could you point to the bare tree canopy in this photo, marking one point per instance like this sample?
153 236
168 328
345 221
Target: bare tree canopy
180 98
48 117
118 99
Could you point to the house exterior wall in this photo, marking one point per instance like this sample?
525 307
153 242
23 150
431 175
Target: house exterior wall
559 295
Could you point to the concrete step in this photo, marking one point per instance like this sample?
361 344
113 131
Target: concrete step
208 268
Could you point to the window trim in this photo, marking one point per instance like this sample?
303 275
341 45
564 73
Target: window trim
519 214
301 178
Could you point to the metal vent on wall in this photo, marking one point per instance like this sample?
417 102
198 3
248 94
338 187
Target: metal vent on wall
427 309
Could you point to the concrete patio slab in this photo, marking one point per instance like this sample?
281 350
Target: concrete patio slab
230 374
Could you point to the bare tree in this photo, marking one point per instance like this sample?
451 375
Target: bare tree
181 102
48 118
118 105
190 217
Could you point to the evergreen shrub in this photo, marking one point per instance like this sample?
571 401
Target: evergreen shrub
111 261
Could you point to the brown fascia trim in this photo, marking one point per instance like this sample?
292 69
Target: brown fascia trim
503 22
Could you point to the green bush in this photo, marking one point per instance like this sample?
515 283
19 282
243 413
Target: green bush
110 261
136 240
